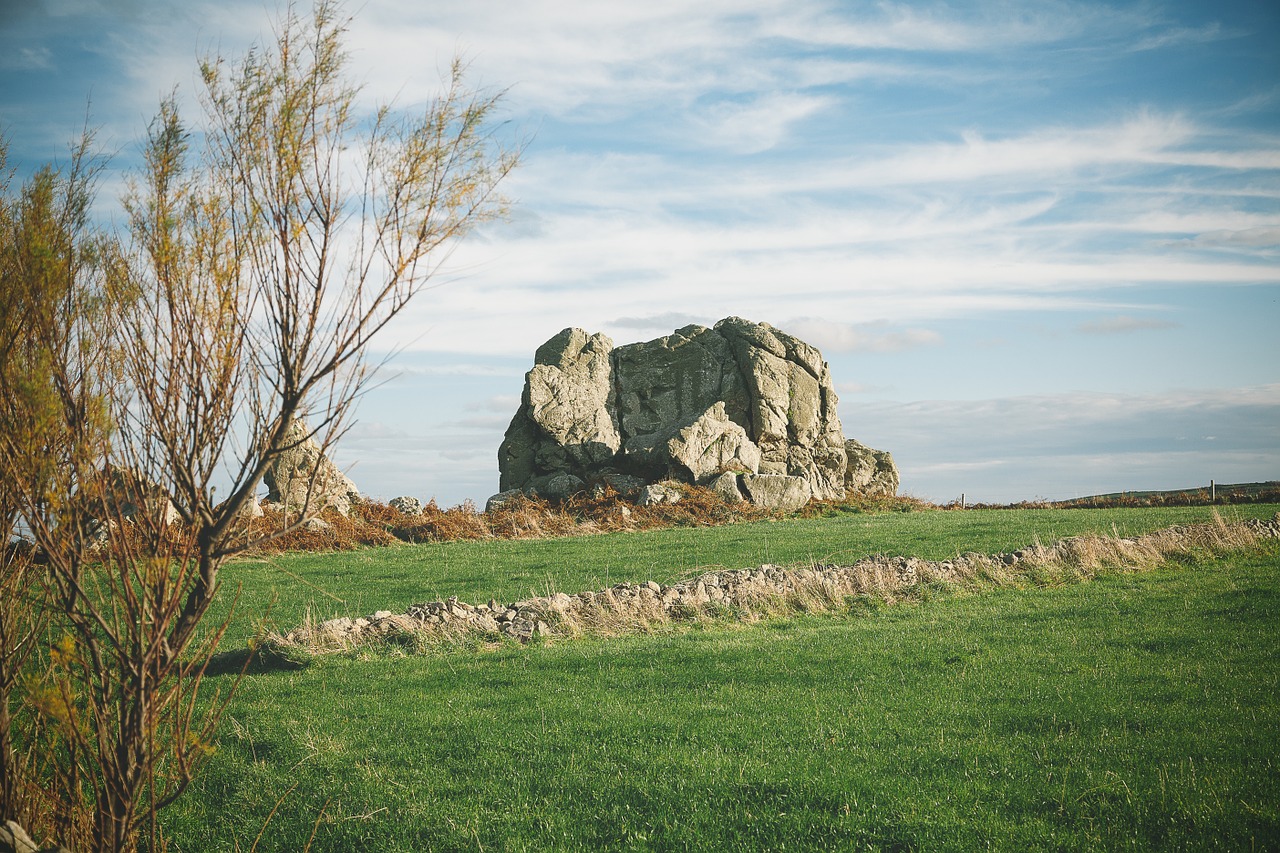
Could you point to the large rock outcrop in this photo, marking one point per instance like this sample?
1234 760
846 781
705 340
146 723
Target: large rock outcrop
302 479
741 398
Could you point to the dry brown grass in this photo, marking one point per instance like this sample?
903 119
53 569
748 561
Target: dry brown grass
864 504
373 523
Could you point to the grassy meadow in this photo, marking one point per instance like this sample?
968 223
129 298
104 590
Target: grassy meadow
1137 711
355 583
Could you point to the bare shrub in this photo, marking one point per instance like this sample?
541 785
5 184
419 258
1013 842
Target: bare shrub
139 376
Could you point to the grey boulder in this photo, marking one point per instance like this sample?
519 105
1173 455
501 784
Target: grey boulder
777 491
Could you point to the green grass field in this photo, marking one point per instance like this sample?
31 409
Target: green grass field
1138 711
356 583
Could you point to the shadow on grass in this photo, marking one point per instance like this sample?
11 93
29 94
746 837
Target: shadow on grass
253 662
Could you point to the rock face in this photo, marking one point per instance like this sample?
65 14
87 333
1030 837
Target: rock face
741 398
869 472
289 478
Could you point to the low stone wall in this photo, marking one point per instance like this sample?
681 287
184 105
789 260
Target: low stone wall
759 591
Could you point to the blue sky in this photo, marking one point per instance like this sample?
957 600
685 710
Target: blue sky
1038 243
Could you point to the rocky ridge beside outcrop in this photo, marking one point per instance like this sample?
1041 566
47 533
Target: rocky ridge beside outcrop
302 479
750 591
742 403
868 471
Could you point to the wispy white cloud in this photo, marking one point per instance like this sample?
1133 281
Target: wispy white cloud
1265 237
1123 324
503 403
1043 420
861 388
664 322
27 59
583 57
942 27
860 337
397 369
1051 155
1177 36
757 125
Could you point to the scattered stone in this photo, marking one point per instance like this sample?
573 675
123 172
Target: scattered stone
658 493
624 484
251 508
726 486
561 486
501 499
118 494
406 505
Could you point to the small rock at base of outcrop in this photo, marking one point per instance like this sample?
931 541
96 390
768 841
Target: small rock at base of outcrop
726 486
406 505
118 493
315 523
251 509
561 486
657 493
776 491
624 484
501 499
